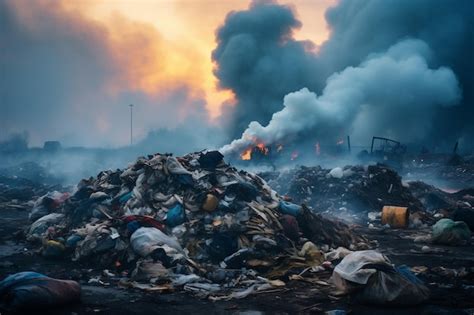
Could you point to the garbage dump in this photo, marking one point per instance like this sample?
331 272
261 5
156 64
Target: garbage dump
351 190
191 223
194 225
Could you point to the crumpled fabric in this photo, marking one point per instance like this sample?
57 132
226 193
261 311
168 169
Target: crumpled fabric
175 167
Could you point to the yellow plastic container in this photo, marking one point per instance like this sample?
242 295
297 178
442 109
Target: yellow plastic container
396 217
211 203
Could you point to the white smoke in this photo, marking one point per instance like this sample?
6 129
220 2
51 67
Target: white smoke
393 93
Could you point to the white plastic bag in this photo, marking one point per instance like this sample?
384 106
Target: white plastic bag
146 239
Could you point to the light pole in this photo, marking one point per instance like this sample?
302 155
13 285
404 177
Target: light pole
131 124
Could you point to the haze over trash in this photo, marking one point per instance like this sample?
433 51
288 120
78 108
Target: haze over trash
69 76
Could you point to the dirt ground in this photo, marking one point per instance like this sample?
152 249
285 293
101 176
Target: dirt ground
449 294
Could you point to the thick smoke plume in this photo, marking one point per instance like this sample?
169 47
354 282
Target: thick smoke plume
364 99
258 58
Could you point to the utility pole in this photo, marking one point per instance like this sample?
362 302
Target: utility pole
349 144
131 124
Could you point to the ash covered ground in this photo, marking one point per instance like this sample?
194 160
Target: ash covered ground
236 248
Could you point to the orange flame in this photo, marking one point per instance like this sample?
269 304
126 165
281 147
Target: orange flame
261 146
258 145
246 155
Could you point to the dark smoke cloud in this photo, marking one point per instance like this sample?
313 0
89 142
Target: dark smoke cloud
357 100
359 30
64 77
260 61
362 27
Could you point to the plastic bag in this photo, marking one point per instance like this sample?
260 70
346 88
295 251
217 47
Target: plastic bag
336 172
351 268
373 280
397 288
40 226
28 290
146 240
175 216
449 232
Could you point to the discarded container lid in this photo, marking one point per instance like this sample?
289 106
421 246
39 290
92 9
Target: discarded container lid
396 217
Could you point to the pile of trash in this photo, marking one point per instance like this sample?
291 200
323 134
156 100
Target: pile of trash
21 183
353 189
192 223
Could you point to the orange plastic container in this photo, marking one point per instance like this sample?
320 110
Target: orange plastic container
396 217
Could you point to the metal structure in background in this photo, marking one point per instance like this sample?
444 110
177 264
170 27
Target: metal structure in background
388 151
131 124
385 145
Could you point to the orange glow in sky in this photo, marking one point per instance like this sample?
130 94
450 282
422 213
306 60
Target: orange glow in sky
164 43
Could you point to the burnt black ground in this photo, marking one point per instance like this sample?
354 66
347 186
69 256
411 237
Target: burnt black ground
448 295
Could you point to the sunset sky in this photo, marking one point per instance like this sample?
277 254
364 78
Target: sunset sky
72 56
203 70
185 35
